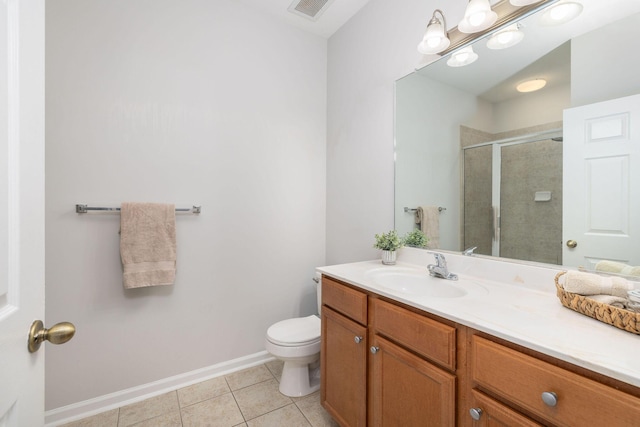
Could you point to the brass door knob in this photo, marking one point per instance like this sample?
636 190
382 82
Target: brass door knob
58 334
572 244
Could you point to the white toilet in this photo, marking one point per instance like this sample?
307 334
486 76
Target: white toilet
297 343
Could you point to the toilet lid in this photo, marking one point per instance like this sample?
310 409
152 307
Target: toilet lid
298 331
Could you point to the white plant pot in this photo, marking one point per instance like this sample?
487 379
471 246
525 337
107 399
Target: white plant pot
388 257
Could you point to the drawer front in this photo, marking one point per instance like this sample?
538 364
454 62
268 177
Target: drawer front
523 379
490 413
425 336
344 300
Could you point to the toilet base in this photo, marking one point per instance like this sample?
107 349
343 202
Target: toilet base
299 379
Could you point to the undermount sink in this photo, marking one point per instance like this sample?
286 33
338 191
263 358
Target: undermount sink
419 283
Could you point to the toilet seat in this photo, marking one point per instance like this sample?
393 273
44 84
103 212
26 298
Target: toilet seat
295 332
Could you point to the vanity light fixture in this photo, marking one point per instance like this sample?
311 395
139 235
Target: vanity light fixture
560 13
478 16
464 56
523 2
435 39
531 85
508 37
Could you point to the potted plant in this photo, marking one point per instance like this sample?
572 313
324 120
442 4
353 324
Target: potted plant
416 238
389 243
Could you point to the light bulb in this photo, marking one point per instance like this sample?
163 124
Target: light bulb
477 18
464 56
505 37
434 41
560 13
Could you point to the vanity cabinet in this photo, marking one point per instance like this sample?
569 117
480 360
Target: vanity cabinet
388 364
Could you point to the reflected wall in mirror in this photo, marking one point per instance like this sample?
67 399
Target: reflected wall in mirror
523 174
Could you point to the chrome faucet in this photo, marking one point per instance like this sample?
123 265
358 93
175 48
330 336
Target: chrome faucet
469 251
440 268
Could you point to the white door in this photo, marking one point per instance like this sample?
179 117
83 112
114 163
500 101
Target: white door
602 148
21 209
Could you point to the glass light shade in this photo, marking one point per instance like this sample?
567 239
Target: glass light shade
508 37
523 2
531 85
435 39
464 56
561 13
477 17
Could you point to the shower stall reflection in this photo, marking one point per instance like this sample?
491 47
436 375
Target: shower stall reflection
513 194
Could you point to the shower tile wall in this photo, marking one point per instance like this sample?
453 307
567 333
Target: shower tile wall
531 230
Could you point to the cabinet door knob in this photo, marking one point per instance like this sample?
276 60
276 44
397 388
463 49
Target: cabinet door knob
357 339
550 398
374 349
475 413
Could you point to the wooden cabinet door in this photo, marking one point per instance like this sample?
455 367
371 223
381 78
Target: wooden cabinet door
343 359
407 390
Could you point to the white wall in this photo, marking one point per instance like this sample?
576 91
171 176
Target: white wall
614 68
366 57
188 102
428 118
532 109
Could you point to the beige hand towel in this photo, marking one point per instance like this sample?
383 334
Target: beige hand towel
581 283
148 244
617 268
429 219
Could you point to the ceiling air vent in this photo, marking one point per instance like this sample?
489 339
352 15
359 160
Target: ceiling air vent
310 9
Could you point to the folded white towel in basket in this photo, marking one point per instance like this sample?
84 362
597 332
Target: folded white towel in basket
614 301
578 282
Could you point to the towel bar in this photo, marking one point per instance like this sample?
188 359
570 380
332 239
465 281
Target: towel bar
84 209
406 209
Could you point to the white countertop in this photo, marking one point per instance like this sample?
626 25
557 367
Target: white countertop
512 301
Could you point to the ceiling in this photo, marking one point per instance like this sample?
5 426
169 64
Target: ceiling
336 14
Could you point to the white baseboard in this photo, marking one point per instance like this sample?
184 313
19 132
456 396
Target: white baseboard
87 408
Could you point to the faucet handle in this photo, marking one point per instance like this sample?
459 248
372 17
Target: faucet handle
469 251
440 260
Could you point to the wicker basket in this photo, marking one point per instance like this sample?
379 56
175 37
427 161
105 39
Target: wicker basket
618 317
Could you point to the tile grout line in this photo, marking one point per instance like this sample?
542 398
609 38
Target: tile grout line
235 400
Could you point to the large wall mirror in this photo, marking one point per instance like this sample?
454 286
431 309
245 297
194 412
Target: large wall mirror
550 176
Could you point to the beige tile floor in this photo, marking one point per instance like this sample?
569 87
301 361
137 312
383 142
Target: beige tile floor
248 398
